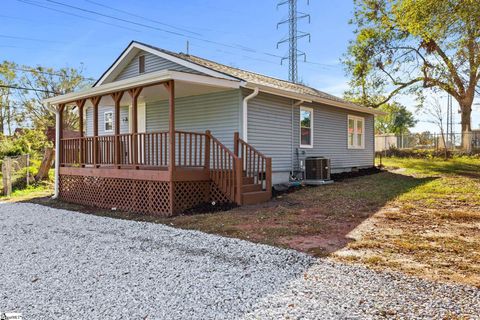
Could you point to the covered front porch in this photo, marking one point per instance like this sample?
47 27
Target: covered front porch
123 165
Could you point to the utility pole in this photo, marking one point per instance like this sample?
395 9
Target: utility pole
293 36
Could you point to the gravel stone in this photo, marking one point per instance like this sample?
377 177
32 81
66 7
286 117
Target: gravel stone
58 264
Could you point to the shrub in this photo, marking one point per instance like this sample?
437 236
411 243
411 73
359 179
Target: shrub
26 141
413 153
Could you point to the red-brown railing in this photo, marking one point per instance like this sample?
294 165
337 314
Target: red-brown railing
255 164
190 149
225 169
141 149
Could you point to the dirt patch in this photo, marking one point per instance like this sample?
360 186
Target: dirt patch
423 219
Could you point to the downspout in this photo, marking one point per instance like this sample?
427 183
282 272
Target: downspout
245 113
57 151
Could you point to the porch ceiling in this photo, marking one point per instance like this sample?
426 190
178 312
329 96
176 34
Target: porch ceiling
186 84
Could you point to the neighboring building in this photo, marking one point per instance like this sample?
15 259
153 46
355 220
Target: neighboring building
278 123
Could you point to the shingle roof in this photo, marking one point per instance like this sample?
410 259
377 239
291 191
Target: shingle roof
254 77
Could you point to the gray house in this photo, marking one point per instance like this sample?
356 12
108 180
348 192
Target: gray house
185 112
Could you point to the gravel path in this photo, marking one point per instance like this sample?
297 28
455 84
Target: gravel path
57 264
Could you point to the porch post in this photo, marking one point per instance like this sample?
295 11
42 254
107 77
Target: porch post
95 102
235 143
117 96
170 85
134 94
80 104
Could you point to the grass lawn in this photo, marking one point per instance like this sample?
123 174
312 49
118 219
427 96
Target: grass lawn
32 192
420 217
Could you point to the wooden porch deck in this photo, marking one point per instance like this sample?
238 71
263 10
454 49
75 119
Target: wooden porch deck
156 172
133 172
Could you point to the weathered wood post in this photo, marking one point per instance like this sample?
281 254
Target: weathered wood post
7 176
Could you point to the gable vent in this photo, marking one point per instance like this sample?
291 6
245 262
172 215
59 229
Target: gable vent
141 64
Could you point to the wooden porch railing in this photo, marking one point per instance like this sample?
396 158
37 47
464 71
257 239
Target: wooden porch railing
152 150
190 149
255 164
225 170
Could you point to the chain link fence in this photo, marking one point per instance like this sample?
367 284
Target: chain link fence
15 173
428 141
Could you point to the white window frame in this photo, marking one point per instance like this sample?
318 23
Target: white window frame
309 146
355 121
105 121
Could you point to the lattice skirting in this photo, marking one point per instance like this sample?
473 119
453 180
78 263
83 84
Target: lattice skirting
146 197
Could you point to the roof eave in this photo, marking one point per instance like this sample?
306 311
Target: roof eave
311 98
142 80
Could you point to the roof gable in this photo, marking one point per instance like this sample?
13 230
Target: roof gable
126 65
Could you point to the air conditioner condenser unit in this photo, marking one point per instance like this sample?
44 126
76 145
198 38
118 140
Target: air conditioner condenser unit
317 171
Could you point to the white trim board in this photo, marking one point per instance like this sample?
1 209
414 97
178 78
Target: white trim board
312 128
144 79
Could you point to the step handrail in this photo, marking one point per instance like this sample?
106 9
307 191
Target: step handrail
256 165
225 169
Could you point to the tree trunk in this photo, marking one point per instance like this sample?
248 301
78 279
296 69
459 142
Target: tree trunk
466 112
1 121
47 162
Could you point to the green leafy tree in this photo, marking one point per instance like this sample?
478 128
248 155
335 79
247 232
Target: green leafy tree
405 46
8 114
397 119
50 82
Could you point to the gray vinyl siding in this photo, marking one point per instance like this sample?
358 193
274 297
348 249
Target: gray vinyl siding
217 112
152 63
330 137
270 129
101 119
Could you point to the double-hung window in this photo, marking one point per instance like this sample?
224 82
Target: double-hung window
108 121
306 127
356 132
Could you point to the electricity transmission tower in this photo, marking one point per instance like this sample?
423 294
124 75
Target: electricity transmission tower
293 35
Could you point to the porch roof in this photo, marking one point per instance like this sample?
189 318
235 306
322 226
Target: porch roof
144 80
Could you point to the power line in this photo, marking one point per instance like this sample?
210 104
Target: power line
75 15
142 17
29 39
33 70
234 46
28 89
113 17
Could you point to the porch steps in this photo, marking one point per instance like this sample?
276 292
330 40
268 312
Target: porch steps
252 193
255 197
248 180
251 188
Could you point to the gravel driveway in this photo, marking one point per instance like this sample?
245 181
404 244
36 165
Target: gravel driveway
57 264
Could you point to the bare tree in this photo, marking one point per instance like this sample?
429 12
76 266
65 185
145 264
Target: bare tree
434 111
